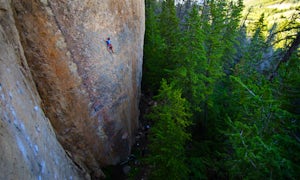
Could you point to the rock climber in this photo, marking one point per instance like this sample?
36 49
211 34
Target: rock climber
109 46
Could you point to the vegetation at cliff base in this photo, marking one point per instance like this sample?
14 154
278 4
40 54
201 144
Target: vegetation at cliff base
226 84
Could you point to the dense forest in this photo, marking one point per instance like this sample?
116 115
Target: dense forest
226 84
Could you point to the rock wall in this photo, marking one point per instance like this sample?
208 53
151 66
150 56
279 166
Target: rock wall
90 95
28 145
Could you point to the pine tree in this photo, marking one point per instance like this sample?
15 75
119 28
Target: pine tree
259 126
213 18
249 126
255 132
154 48
288 93
189 71
169 23
169 29
168 135
232 35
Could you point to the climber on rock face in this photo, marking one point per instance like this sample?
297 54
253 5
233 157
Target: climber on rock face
109 46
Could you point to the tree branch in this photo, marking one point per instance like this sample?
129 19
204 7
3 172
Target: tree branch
285 39
287 29
287 55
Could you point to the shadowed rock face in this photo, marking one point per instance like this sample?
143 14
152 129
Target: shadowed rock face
28 145
89 94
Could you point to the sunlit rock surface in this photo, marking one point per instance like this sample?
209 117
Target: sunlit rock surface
90 95
28 145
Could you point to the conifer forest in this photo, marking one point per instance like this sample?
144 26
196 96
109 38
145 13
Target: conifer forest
225 79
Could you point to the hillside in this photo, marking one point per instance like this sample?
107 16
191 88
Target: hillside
274 10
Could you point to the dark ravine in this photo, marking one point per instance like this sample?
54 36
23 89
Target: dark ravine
135 165
89 95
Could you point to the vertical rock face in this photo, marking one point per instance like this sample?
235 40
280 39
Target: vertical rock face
28 146
89 94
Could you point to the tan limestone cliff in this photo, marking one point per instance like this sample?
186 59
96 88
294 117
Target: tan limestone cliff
89 94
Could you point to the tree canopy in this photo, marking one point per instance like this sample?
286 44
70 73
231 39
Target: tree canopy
229 104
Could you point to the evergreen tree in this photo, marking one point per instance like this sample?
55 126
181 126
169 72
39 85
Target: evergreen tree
233 37
255 133
154 48
289 85
169 23
189 71
169 29
213 18
230 32
248 125
288 93
168 135
256 128
257 46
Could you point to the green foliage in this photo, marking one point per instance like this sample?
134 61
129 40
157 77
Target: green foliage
197 168
260 125
220 23
168 135
191 67
154 48
169 24
254 51
169 30
246 127
288 93
289 85
250 152
254 135
231 35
